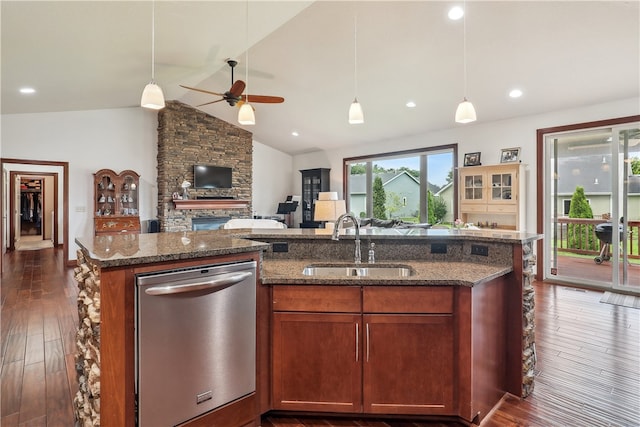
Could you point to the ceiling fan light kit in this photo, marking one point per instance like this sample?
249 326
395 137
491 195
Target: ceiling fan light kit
246 115
465 113
152 96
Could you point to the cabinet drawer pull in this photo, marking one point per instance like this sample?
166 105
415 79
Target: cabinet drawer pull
357 340
368 342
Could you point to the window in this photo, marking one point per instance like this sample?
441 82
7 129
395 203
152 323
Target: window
413 186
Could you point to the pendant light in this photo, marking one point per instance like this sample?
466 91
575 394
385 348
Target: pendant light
152 96
246 115
356 116
465 112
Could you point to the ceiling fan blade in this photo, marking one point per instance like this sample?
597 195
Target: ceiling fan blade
202 90
212 102
263 99
237 88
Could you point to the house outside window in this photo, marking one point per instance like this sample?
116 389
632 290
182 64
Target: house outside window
404 181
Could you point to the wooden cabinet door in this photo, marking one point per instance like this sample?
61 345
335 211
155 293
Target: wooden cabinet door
408 364
317 362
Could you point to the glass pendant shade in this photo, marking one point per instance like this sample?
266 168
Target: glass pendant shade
246 115
356 116
152 97
465 112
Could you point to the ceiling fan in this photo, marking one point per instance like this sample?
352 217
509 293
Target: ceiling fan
234 95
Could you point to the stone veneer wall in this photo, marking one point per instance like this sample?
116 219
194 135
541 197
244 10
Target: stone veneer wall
187 136
86 402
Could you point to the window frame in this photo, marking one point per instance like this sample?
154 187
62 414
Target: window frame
425 151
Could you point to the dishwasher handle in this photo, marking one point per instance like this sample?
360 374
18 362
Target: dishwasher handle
217 283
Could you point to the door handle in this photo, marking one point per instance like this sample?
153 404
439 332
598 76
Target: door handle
217 283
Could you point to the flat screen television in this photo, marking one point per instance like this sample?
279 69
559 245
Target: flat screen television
209 176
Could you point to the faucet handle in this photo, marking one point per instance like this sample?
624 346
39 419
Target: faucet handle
372 253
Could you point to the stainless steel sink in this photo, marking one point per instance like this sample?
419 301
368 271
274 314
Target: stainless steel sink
363 270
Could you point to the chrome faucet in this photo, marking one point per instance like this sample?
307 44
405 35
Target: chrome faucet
336 231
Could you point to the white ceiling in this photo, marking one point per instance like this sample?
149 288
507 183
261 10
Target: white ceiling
94 55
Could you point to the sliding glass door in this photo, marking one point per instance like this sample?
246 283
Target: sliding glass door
592 207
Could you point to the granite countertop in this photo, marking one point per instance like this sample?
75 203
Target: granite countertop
132 249
429 273
479 235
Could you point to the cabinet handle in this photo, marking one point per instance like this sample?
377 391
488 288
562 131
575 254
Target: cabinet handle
357 340
368 342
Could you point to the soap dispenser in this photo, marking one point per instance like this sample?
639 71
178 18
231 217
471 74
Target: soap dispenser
372 253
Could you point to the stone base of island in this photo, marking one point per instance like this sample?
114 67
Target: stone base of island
446 340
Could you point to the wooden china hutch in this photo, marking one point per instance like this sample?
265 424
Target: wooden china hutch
116 208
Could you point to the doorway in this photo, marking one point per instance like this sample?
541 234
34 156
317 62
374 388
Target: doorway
37 210
58 173
591 206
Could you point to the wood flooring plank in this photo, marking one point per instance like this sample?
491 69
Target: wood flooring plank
16 345
54 356
58 401
32 402
10 420
11 388
35 422
34 351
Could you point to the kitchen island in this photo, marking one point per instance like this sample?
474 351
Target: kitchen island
477 282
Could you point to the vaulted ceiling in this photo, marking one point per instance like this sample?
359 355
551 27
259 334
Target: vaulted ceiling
97 54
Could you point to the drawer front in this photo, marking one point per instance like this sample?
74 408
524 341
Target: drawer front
405 299
325 299
473 207
114 224
503 208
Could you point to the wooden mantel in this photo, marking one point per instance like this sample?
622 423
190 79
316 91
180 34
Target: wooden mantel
211 204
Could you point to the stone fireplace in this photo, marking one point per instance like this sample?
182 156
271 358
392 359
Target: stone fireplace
187 136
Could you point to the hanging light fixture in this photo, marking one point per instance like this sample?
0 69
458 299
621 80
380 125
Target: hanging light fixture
465 112
152 96
356 116
246 115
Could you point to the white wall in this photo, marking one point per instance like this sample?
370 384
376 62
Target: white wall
117 139
272 177
488 138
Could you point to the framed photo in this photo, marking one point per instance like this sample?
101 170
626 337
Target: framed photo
472 159
510 155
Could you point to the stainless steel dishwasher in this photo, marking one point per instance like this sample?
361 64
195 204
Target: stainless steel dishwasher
195 341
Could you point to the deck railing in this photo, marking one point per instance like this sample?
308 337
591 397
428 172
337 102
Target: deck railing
586 228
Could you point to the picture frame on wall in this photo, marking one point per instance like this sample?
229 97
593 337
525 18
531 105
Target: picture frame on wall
510 155
472 159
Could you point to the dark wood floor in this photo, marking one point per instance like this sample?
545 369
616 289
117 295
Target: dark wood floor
588 371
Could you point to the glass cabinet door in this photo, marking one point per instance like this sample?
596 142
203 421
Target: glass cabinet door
129 196
501 186
473 187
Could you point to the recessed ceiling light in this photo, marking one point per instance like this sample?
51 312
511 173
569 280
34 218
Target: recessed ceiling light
515 93
455 13
410 104
295 133
27 90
